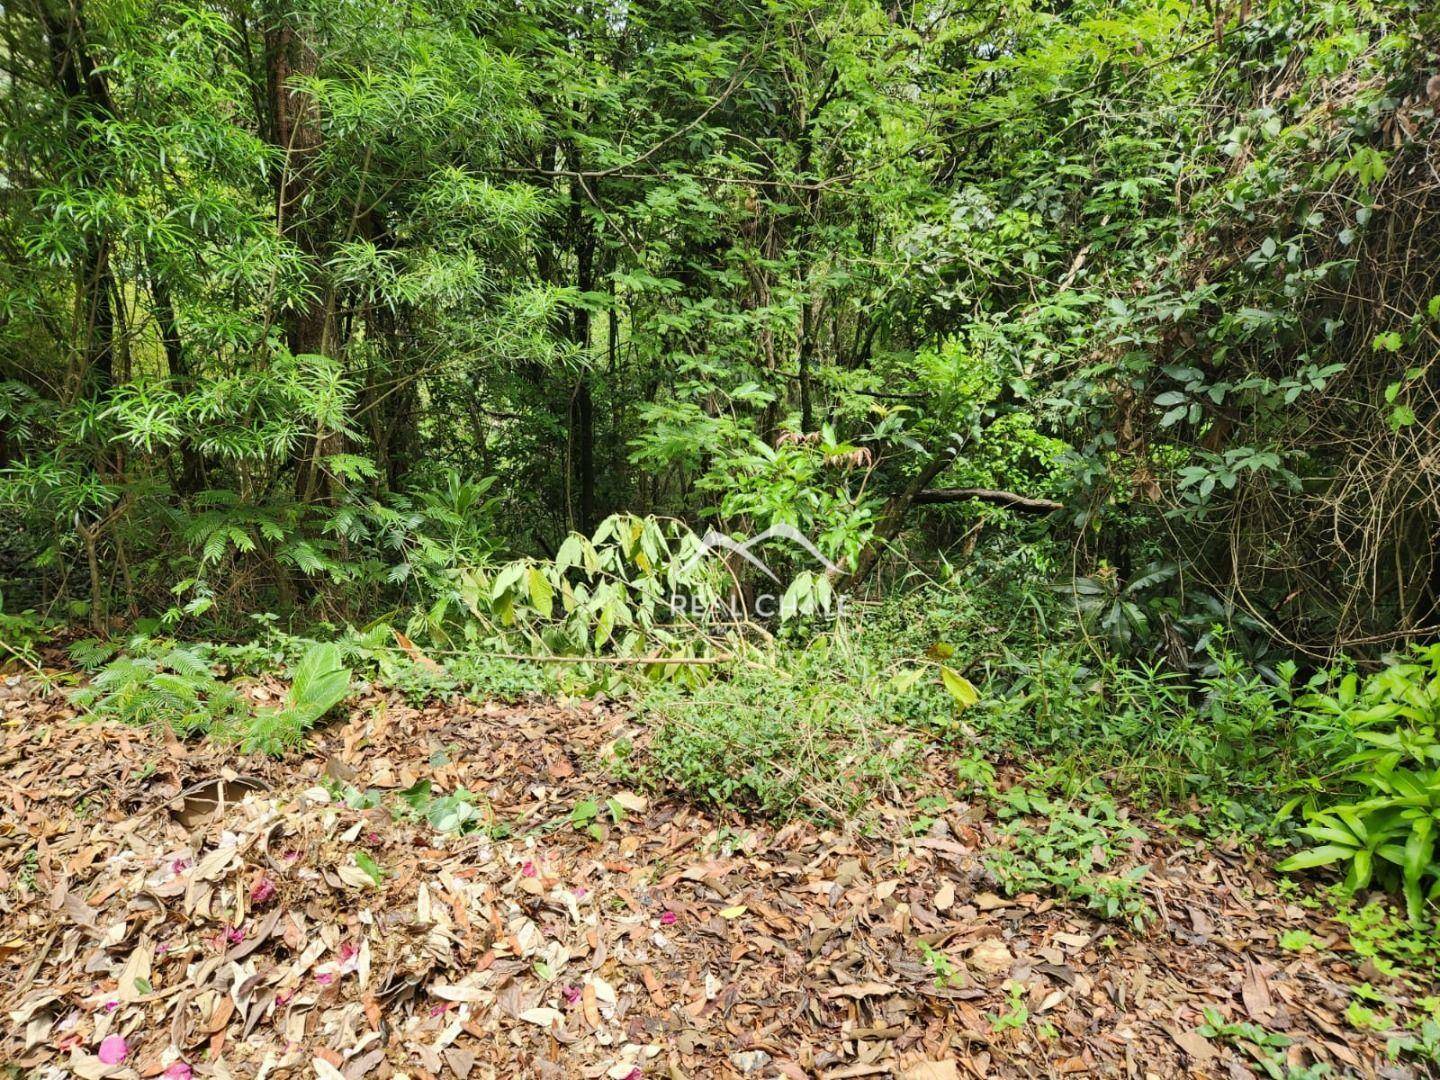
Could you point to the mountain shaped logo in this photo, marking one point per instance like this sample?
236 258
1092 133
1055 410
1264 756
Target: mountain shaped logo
717 541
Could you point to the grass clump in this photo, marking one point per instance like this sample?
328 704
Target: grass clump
799 740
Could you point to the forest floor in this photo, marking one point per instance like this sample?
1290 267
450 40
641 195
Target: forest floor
209 915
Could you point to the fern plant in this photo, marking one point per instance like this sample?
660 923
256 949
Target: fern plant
319 683
164 684
173 687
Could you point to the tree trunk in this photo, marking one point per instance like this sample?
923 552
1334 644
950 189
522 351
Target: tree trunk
288 58
582 407
87 93
192 463
892 518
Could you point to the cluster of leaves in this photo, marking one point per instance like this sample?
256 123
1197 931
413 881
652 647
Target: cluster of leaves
160 683
1380 821
804 738
21 632
165 685
1266 1048
1072 855
318 683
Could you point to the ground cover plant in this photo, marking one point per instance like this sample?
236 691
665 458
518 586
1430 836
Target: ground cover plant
803 539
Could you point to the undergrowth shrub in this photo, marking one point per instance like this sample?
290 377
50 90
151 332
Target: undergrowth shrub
159 683
1072 850
1226 732
318 683
1376 810
1227 736
162 685
21 632
798 739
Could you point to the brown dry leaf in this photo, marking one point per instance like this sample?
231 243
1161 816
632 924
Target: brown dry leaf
929 1070
413 651
991 956
1255 992
944 900
1194 1044
543 1016
861 990
134 982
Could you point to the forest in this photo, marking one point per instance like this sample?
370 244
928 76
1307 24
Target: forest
642 538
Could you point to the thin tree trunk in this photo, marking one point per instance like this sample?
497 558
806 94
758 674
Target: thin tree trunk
892 519
582 407
192 463
85 88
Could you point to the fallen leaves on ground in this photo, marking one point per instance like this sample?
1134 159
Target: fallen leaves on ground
171 910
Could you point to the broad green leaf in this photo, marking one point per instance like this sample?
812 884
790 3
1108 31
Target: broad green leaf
542 593
1320 856
960 688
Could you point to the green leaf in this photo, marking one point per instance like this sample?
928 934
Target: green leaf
417 795
960 688
320 682
542 593
1419 849
1320 856
370 866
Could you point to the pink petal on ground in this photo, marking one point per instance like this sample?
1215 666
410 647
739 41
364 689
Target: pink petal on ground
528 870
178 1070
113 1049
263 890
668 919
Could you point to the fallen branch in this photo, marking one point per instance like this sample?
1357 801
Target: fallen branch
1010 500
892 516
612 659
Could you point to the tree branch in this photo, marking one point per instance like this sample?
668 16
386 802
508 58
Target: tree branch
1020 503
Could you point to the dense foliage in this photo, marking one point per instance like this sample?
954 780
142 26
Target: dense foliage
1090 347
275 281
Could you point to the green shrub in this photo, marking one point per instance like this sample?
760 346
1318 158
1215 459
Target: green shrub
20 633
798 739
164 685
318 684
1228 736
1377 817
1072 854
